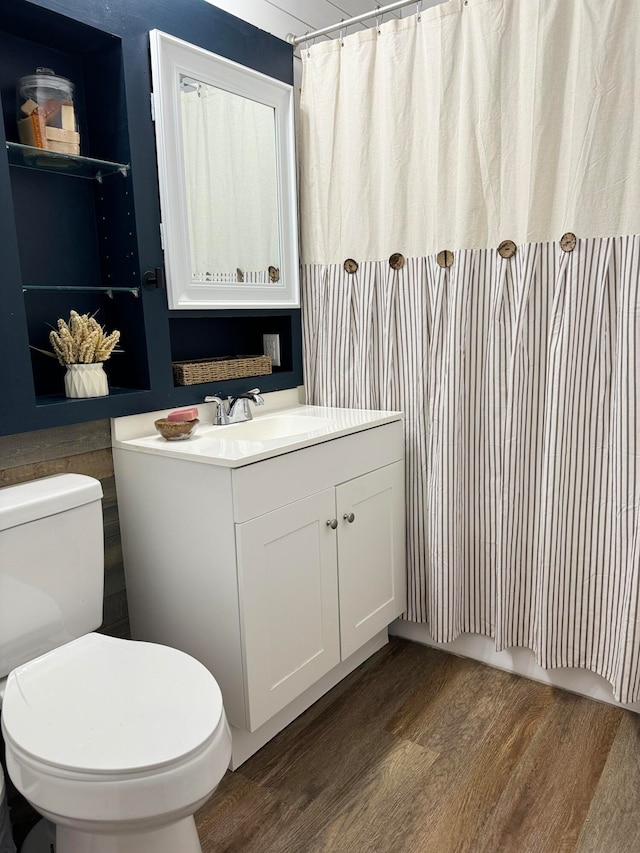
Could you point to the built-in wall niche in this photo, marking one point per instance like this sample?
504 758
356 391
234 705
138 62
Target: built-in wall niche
118 309
32 37
233 334
74 227
74 215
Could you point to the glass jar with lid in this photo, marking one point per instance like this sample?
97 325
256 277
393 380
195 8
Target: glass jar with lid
46 112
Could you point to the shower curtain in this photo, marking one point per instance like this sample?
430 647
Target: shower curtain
470 211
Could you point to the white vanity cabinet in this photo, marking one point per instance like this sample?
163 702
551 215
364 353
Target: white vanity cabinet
281 576
317 579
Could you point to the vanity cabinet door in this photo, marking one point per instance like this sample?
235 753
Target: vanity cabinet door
288 588
371 554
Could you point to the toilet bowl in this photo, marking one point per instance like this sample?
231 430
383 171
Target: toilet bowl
117 743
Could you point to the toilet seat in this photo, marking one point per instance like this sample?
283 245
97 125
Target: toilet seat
104 729
104 705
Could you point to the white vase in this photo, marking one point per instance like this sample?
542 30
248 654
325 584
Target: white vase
86 380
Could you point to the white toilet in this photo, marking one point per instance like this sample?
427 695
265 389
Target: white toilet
115 742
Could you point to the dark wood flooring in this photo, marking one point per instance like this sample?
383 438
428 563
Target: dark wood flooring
422 751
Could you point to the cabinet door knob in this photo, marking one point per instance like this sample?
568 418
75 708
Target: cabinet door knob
350 517
332 523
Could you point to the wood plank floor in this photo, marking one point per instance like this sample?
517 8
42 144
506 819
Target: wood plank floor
422 751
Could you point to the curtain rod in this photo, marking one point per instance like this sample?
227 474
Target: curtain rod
374 13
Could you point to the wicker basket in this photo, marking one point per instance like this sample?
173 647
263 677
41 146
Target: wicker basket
218 369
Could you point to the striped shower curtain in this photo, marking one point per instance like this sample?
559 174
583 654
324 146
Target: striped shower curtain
519 382
503 133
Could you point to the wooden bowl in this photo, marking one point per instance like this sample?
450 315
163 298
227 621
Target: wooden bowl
176 430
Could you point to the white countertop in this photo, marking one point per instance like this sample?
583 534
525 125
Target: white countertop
272 432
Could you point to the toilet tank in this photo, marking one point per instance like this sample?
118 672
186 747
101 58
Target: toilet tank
51 565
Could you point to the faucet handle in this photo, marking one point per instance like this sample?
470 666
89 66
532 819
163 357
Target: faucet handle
255 395
221 417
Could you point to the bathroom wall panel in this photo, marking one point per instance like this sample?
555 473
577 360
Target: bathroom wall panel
50 444
115 616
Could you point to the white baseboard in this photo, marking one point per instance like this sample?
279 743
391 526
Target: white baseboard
516 660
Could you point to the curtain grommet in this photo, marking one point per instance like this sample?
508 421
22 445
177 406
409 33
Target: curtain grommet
274 274
568 242
507 249
396 261
444 258
350 266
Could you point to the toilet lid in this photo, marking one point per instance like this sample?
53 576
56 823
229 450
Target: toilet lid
105 705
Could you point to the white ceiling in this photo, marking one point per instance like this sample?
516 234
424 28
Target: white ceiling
315 14
281 17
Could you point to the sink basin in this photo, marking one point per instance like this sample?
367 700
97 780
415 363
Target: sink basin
273 427
269 434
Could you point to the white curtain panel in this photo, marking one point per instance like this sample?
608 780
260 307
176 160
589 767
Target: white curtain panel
518 376
486 120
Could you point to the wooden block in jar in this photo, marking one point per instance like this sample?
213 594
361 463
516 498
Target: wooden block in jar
28 107
63 147
68 117
58 134
31 131
50 110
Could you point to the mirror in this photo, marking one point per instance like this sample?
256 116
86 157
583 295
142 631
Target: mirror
226 169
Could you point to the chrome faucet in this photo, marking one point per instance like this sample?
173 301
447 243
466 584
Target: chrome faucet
239 409
235 410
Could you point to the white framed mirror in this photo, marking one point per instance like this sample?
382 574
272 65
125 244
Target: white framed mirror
226 169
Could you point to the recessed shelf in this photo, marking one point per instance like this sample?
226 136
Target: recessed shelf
61 399
70 288
27 157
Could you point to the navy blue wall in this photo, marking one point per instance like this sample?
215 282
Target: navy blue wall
104 47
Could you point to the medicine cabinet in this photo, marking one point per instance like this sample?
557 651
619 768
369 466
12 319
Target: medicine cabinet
226 168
